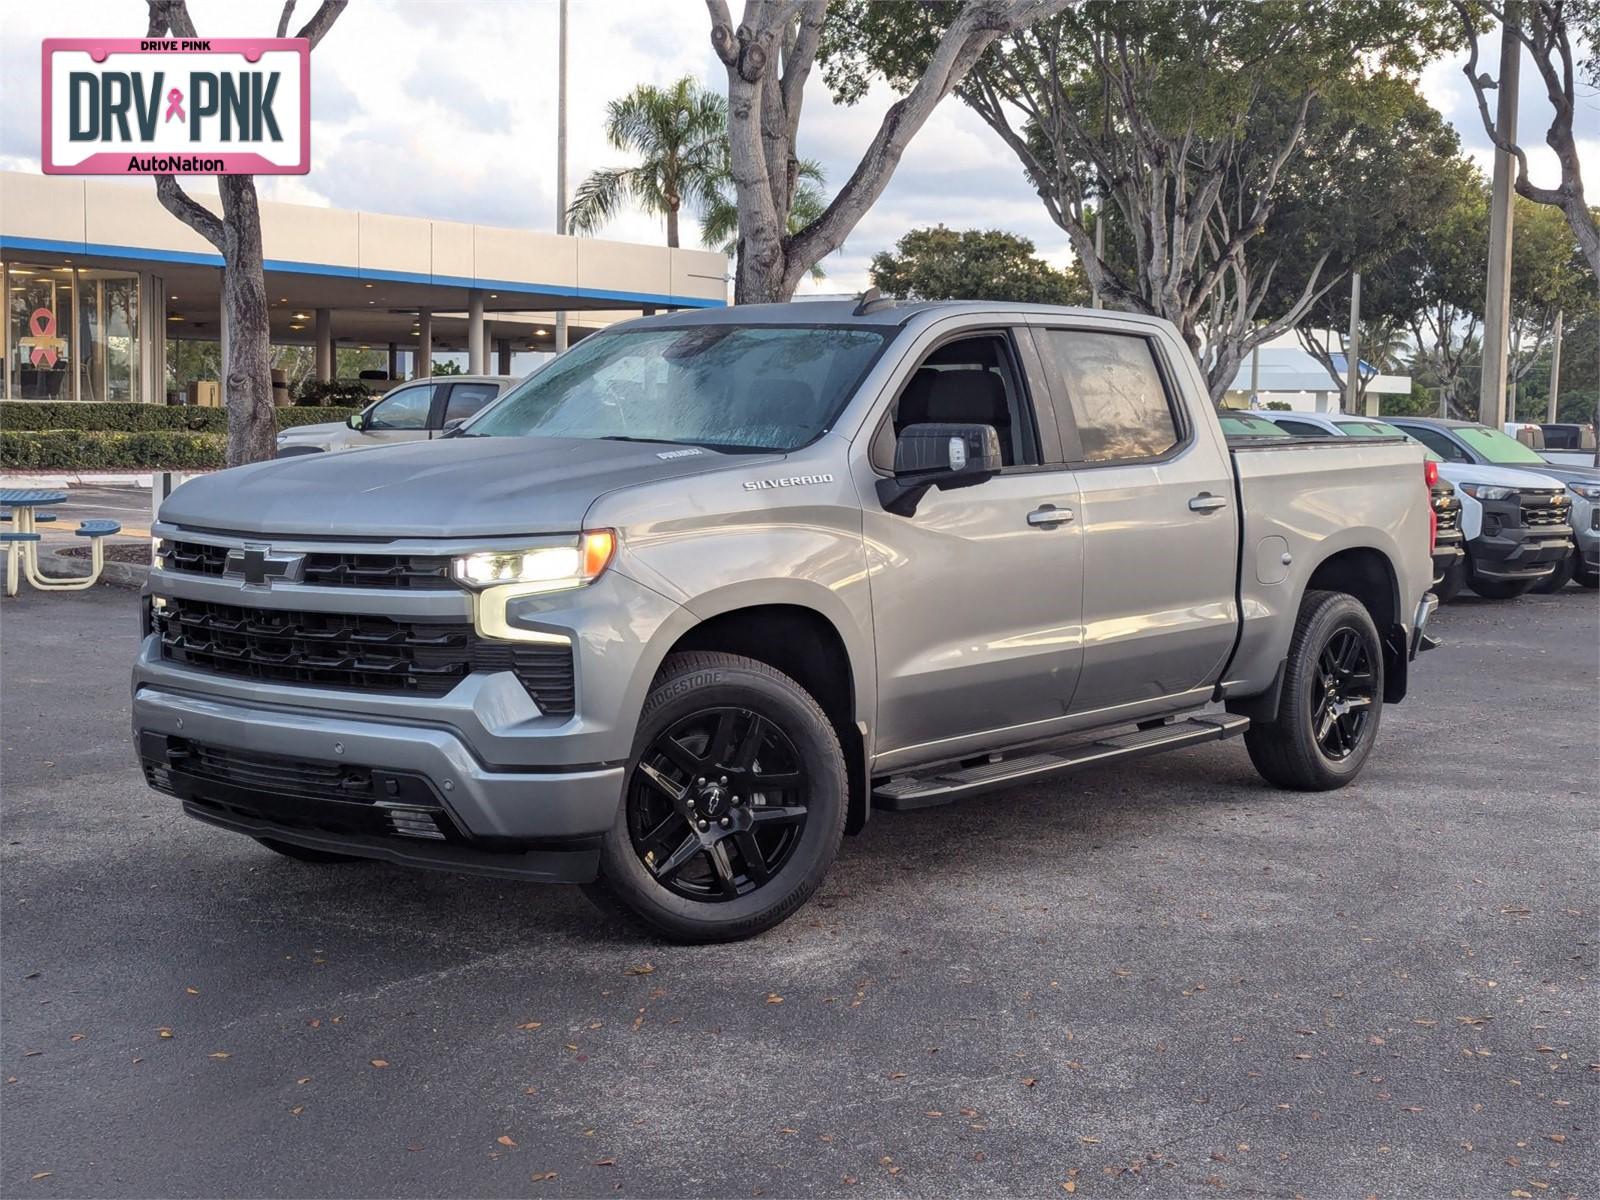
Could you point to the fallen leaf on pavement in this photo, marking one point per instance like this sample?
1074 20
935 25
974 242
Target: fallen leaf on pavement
542 1176
641 969
380 1063
505 1140
164 1032
774 998
531 1025
219 1054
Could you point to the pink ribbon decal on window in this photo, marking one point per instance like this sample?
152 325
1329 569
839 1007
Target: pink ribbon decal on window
44 340
175 105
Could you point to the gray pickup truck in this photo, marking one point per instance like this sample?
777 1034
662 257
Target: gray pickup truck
676 613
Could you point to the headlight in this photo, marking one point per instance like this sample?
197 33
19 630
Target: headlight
1585 491
1485 491
541 569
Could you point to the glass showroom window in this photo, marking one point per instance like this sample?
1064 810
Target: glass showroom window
108 330
39 358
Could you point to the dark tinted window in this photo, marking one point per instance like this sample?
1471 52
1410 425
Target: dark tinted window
1438 443
467 398
969 382
771 387
1302 429
1114 388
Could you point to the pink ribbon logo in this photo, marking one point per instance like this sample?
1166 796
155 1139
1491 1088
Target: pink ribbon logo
175 105
44 340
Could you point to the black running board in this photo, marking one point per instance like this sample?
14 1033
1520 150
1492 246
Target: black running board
943 786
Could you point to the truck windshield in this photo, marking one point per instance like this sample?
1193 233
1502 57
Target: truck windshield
1384 429
1235 424
731 387
1498 448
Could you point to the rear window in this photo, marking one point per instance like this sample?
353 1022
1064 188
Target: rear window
1118 400
1242 425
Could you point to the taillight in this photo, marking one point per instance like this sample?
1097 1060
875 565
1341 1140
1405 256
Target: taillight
1430 472
1430 476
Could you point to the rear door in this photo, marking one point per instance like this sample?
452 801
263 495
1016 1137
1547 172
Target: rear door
975 596
1160 534
460 400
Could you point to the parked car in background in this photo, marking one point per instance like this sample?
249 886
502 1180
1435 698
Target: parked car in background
412 412
1449 543
1566 444
695 597
1543 516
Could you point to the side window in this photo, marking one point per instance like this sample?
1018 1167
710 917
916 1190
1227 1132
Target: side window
1302 429
1114 389
467 398
405 409
970 381
1438 443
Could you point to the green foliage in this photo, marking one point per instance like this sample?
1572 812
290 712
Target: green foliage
37 415
346 392
1278 406
447 366
107 450
681 133
973 264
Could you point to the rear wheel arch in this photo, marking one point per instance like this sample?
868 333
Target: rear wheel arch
1367 574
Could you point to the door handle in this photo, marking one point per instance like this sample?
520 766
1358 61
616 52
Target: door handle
1206 502
1048 516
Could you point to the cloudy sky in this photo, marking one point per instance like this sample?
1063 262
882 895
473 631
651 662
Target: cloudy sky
446 109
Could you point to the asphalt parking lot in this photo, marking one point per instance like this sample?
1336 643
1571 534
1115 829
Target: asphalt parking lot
1157 980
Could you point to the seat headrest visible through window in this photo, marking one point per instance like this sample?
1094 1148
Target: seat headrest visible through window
969 397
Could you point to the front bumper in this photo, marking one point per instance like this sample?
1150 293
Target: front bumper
1447 552
1520 553
409 793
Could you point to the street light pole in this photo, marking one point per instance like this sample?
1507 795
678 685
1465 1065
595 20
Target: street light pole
561 152
1555 369
1497 302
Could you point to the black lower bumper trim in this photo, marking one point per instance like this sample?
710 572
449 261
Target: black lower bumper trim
573 865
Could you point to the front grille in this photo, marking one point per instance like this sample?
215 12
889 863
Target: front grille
328 569
269 773
1449 517
362 653
1541 510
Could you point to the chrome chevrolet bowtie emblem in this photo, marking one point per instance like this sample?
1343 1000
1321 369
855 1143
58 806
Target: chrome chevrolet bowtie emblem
258 566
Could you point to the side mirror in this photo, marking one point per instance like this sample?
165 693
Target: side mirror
355 421
451 426
938 455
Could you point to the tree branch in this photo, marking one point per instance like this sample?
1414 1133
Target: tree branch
321 21
283 19
192 213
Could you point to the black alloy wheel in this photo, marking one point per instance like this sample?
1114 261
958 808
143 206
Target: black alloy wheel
1343 694
717 804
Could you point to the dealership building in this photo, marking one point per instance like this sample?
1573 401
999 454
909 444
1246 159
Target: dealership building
100 281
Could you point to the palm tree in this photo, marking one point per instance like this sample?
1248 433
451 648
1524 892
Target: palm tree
719 224
681 133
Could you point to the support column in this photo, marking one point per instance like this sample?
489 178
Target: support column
394 361
222 346
561 153
1497 303
1555 370
1352 348
324 344
474 332
423 367
503 353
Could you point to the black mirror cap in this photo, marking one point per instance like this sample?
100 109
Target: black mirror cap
942 455
947 449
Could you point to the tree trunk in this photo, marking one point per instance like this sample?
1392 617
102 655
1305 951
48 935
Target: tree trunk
672 226
252 429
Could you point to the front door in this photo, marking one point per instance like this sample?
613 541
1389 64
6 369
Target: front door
1160 534
401 416
975 606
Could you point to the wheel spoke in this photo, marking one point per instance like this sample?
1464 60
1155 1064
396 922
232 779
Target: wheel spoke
681 757
687 849
722 738
656 837
755 863
744 756
675 791
775 814
1349 653
778 781
718 853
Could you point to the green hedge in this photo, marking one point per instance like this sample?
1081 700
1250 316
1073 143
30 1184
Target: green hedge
334 393
106 450
18 415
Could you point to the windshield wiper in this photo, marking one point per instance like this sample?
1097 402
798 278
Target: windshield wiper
623 437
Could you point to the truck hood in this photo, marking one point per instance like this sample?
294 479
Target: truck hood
1517 477
1569 474
453 487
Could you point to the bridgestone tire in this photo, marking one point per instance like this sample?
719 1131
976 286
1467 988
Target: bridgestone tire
687 684
1285 751
307 855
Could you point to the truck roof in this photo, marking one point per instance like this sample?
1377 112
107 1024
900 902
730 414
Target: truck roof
1441 422
884 313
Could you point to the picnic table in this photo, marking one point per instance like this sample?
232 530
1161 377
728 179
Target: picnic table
22 542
